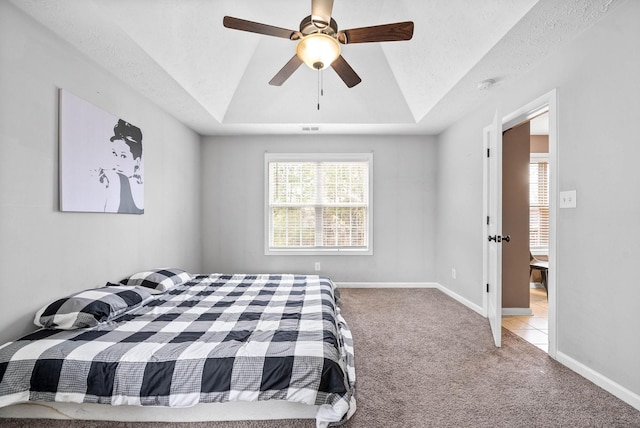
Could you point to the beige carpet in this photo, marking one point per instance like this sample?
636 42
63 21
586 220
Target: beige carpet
424 360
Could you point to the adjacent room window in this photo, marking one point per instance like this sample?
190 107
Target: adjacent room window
318 203
539 204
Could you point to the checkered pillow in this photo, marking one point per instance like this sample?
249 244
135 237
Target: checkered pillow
158 280
90 307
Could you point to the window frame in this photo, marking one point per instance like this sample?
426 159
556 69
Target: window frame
318 157
540 158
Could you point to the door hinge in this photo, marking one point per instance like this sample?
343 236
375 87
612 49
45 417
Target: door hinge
488 153
487 220
487 288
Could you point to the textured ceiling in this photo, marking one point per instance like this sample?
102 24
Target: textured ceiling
215 80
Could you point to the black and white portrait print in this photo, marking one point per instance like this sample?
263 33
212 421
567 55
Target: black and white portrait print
101 160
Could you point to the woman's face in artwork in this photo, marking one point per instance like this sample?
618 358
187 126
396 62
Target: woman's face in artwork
125 164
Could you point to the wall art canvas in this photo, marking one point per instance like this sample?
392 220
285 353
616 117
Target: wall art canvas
101 160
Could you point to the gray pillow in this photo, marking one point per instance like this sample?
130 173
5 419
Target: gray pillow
89 308
158 280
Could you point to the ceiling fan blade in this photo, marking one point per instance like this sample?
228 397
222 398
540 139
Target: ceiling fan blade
395 32
286 71
321 11
346 73
256 27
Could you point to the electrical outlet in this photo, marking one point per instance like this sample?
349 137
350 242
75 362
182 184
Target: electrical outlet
317 266
453 273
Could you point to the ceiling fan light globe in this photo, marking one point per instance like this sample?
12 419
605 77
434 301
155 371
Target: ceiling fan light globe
318 50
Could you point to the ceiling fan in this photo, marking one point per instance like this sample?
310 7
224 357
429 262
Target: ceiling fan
319 40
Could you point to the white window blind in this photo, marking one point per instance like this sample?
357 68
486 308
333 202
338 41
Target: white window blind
539 205
318 203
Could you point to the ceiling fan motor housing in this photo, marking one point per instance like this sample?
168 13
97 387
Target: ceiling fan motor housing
309 26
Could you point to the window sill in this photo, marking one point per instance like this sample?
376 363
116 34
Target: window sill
319 252
540 251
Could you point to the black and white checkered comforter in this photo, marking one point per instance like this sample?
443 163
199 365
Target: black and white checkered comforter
216 338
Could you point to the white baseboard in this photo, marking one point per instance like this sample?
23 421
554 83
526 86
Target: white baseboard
446 291
599 379
517 311
469 304
387 285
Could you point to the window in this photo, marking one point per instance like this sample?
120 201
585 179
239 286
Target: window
318 203
539 204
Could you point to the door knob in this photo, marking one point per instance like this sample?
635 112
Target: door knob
498 238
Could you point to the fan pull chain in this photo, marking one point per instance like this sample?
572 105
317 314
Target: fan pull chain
320 86
318 93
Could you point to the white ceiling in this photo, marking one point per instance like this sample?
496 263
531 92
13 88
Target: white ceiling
215 80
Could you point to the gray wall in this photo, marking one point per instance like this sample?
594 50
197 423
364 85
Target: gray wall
46 254
599 241
404 190
427 192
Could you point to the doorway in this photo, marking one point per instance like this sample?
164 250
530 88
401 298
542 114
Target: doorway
493 191
526 207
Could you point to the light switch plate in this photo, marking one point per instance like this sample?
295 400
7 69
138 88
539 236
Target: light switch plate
568 199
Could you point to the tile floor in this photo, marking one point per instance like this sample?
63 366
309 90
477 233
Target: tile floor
533 329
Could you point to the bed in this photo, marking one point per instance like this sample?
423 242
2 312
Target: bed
221 346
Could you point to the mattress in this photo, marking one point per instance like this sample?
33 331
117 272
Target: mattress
215 339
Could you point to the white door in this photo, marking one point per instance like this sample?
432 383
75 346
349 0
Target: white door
493 228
